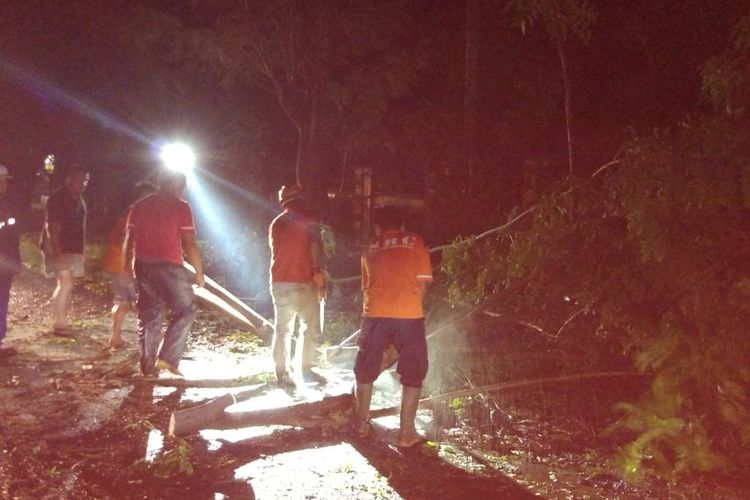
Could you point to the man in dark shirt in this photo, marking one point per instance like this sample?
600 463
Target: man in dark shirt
64 240
10 259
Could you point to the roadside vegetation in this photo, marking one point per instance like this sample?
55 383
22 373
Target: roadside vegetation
642 267
645 261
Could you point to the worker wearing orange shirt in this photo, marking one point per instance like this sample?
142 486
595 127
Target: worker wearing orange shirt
122 283
297 284
395 273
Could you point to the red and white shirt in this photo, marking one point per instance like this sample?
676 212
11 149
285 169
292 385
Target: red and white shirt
156 224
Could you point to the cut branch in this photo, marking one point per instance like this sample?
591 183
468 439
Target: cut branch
193 419
181 383
567 105
506 386
230 301
213 415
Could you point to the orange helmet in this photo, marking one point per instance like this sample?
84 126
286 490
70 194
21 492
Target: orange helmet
289 193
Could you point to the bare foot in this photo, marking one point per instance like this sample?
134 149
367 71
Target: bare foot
362 429
117 343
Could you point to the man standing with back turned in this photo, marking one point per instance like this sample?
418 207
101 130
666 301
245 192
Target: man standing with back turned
160 229
297 282
395 272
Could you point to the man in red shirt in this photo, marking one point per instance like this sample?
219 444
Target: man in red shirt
297 282
160 229
395 273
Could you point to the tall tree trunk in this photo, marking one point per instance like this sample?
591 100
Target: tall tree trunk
568 118
306 151
301 148
470 92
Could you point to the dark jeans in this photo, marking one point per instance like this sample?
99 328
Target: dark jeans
5 282
159 284
406 335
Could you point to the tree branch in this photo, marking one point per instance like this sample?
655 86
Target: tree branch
506 386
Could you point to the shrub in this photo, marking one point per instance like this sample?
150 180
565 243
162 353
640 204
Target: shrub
652 258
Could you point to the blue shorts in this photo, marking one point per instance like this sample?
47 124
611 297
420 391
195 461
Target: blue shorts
406 335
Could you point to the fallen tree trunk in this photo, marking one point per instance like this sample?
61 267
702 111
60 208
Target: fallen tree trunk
212 415
209 383
193 419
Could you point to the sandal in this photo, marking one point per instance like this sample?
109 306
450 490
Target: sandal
416 443
162 365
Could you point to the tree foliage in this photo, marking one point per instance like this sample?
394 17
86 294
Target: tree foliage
333 69
726 77
651 255
561 19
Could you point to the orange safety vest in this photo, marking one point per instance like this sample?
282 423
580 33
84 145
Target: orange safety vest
114 256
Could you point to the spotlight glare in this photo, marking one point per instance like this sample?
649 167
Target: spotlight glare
178 157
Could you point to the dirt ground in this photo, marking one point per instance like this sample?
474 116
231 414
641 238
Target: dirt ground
77 421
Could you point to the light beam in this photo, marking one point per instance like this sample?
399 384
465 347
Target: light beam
178 156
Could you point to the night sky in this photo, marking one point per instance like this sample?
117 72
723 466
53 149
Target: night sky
76 85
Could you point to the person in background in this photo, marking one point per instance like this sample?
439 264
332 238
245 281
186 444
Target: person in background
10 257
160 229
63 242
297 283
121 280
395 273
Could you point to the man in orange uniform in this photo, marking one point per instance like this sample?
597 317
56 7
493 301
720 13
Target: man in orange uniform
395 272
297 282
113 262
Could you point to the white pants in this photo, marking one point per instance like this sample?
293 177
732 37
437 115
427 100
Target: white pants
292 301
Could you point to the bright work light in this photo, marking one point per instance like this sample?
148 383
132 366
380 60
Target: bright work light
178 157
